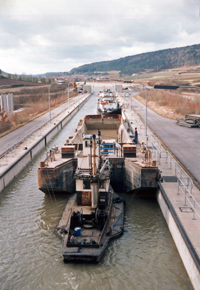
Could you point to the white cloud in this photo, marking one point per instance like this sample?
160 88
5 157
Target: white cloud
37 36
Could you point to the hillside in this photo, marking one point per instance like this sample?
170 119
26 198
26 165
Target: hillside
152 61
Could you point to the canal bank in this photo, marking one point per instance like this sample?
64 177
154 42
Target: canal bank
16 159
177 197
145 257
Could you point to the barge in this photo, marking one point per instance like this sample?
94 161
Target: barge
99 159
108 103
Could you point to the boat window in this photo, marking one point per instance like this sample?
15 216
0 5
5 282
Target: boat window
87 143
80 147
86 184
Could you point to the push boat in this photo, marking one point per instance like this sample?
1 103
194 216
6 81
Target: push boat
108 103
94 214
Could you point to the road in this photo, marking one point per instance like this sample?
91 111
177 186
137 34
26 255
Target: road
20 133
183 142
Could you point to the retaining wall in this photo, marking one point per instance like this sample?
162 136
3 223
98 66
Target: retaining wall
184 246
7 176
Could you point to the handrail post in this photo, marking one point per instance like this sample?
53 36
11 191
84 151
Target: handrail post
185 204
191 186
178 181
193 211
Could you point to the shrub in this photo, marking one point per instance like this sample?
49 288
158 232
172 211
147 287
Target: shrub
179 103
4 126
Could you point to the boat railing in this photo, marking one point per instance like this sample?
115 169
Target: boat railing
107 219
105 165
110 148
82 173
106 151
50 157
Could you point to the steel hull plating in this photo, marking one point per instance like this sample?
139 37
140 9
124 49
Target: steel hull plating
110 112
88 247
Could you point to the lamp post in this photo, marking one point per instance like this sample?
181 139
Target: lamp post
50 99
146 107
68 95
49 104
49 88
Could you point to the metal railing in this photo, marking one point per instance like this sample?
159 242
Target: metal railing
11 146
184 181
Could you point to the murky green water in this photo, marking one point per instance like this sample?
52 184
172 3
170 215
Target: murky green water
145 257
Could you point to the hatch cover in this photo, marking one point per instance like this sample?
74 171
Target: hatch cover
170 178
186 209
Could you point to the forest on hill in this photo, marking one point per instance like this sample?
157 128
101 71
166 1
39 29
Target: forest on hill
153 61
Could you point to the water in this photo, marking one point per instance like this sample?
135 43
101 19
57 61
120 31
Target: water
145 257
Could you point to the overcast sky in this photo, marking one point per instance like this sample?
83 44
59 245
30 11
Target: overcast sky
39 36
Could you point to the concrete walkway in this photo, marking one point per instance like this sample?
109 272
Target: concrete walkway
21 132
183 142
26 149
176 202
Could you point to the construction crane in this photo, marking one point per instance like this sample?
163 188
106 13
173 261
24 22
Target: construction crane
75 86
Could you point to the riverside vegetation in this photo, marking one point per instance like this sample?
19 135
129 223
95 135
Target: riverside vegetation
34 101
170 104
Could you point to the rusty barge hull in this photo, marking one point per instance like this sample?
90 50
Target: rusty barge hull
90 246
129 172
127 175
58 179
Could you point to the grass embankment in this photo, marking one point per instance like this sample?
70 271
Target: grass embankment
169 104
35 102
172 104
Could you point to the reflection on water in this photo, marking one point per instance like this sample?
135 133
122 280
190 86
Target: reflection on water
145 257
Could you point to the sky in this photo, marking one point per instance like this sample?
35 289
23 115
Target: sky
39 36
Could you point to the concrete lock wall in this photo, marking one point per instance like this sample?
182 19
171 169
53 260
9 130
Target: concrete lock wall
117 174
15 169
9 175
182 242
37 148
51 134
28 155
